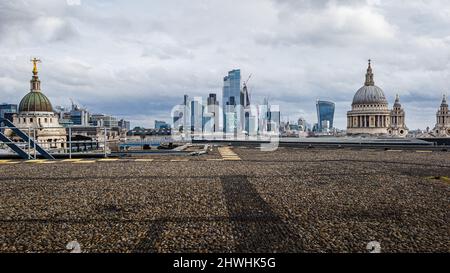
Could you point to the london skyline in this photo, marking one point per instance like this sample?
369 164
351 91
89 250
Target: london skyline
139 64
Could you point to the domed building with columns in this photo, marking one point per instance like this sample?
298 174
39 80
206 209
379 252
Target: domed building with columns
370 113
36 117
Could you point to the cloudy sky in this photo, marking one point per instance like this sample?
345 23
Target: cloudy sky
136 58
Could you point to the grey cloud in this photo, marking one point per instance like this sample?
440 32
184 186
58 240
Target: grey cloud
138 58
299 5
25 22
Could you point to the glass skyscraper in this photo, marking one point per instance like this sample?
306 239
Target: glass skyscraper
197 109
325 115
187 115
231 102
211 122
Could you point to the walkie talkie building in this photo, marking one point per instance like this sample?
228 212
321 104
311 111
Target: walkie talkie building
325 115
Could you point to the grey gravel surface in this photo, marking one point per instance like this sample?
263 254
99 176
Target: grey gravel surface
291 200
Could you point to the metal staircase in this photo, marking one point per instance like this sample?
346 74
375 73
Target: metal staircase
25 138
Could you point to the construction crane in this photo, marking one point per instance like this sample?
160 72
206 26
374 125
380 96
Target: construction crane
247 96
73 104
249 77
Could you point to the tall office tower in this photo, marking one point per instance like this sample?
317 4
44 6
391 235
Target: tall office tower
275 120
252 125
197 115
264 116
269 118
247 111
325 115
212 123
232 104
186 123
177 120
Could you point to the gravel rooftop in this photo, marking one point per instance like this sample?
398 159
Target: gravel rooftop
290 200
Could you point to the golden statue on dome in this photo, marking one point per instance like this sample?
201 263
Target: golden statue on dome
35 61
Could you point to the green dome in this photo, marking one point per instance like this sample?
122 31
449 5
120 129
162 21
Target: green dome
35 101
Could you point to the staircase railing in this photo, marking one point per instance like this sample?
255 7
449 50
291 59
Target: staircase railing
31 142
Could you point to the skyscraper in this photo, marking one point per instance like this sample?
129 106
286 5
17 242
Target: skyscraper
177 119
275 120
264 116
187 115
269 118
249 118
232 104
325 115
212 123
197 115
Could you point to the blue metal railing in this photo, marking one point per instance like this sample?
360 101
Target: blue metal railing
25 138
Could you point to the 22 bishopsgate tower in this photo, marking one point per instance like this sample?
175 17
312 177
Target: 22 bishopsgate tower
232 104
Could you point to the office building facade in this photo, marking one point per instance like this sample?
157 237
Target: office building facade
159 124
196 110
325 115
231 102
211 121
124 125
7 110
79 116
101 120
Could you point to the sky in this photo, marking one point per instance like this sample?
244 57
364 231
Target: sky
135 59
